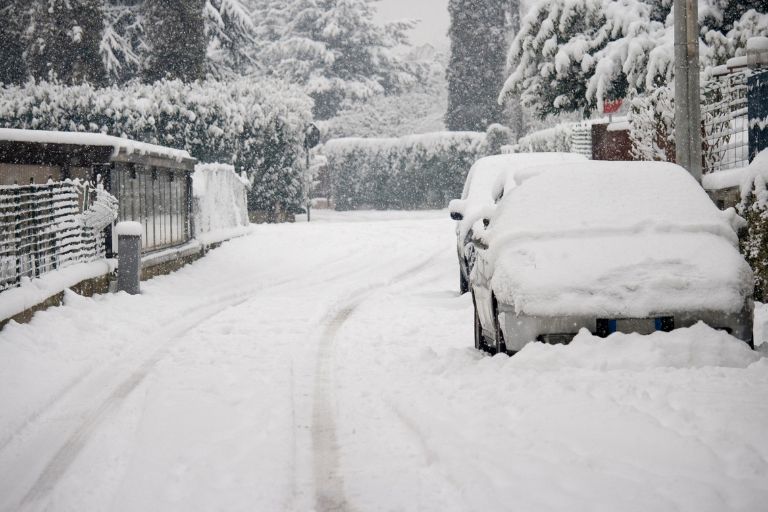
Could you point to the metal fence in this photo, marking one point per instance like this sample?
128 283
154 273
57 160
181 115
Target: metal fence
41 230
724 115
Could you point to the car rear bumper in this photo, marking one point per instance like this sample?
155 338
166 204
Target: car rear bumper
522 329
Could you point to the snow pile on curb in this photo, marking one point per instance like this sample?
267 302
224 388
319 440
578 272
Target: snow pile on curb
35 291
695 347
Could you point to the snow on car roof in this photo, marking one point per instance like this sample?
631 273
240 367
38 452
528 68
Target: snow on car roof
626 197
614 238
92 139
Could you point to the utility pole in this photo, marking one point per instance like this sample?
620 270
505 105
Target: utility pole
687 100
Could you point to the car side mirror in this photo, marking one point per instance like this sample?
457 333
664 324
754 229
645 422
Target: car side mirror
456 209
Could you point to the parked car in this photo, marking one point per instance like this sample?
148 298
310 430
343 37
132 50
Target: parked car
478 195
606 246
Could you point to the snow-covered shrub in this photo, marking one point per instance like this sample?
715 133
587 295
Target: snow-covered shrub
417 171
652 125
257 127
754 209
557 138
220 198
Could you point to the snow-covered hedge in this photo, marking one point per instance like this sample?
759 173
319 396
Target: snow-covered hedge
557 139
257 127
417 171
220 199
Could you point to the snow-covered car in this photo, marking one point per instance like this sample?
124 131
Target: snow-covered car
477 195
606 246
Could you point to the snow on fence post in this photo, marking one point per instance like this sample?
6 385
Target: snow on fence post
129 257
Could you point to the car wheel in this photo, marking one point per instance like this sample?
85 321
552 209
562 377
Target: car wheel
463 283
479 341
499 347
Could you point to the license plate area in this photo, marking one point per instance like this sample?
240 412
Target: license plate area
606 326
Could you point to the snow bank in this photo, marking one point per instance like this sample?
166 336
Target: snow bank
694 347
220 201
626 238
35 291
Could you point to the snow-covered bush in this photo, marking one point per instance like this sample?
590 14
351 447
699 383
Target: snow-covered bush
557 139
754 209
257 127
220 198
652 125
417 171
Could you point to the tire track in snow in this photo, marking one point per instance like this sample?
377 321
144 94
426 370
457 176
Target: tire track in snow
66 455
329 483
75 442
216 296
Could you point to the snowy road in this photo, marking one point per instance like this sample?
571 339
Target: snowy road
328 367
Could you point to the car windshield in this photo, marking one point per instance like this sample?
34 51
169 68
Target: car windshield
608 197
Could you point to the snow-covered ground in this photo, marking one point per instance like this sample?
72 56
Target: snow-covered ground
327 366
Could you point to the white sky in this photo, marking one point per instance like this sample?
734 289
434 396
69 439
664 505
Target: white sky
432 29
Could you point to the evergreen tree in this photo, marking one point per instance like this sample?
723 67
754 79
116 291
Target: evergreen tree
475 71
231 38
335 50
572 55
176 39
63 41
14 14
123 43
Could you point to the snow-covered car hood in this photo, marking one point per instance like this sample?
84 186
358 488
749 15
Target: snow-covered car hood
628 275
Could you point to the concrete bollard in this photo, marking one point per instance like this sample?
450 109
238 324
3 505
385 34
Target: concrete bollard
129 256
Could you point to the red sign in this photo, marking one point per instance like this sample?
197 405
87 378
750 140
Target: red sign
611 107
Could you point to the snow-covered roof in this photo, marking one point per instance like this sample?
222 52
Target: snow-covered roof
119 144
632 238
742 177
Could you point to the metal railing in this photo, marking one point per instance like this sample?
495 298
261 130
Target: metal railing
726 126
42 229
